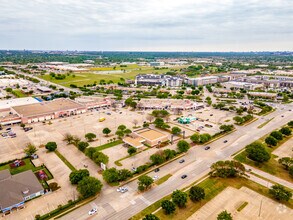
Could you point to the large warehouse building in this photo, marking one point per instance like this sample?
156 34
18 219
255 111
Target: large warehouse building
48 110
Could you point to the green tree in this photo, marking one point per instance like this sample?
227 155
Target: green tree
141 168
176 130
286 162
82 145
168 207
111 175
144 182
224 215
291 171
78 175
131 150
68 138
239 120
257 152
205 138
119 133
195 138
196 193
226 128
183 146
286 131
106 131
90 152
280 193
30 149
151 217
169 154
127 131
227 169
277 134
124 174
270 140
90 136
51 146
133 104
158 158
179 198
89 186
290 124
121 127
100 157
159 122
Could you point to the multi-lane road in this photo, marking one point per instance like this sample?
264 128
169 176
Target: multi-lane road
114 205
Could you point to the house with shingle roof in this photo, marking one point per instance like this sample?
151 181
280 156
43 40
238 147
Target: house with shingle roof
18 188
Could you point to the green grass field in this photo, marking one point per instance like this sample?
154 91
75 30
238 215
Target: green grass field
84 78
18 93
272 166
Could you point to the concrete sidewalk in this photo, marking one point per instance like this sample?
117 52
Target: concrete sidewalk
267 176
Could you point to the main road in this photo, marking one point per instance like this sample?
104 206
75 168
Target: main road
114 205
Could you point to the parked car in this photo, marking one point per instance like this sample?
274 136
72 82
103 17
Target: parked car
8 129
225 141
157 170
122 189
207 147
93 211
183 176
181 161
155 177
27 129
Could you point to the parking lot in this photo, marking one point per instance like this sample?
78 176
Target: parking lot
285 150
258 207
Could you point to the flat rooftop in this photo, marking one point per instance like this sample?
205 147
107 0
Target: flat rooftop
49 107
6 104
134 142
151 134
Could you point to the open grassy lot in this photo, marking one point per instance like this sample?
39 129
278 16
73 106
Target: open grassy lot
84 78
212 187
18 93
272 166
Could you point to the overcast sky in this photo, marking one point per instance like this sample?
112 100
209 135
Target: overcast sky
147 25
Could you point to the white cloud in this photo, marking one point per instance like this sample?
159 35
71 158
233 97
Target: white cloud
206 25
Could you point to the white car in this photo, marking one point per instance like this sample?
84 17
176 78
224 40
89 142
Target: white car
93 211
155 177
122 189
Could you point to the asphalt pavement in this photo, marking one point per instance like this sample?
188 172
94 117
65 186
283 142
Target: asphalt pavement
114 205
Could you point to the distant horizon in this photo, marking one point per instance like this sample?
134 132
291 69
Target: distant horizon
136 25
149 51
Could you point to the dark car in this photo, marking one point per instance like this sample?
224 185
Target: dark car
206 148
157 170
225 141
181 161
27 129
8 129
183 176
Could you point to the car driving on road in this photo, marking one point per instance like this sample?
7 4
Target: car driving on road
183 176
207 147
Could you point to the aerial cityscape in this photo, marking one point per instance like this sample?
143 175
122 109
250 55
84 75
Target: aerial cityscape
146 110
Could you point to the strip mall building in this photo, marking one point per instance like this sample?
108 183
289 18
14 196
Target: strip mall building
57 108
